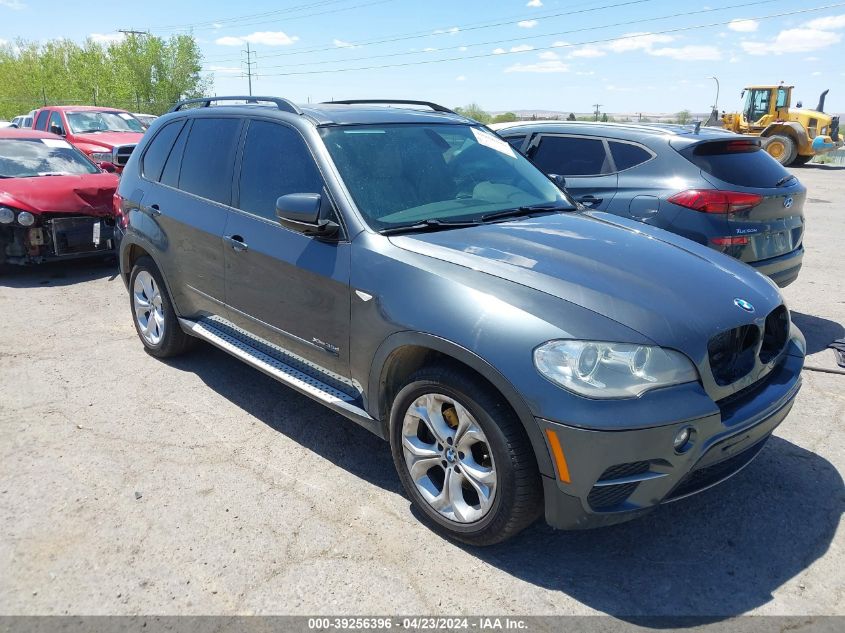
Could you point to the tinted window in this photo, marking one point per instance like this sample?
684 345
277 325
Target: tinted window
159 150
626 155
170 174
208 158
276 162
739 163
516 141
571 156
41 121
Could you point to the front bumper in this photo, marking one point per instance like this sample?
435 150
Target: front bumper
783 269
615 476
57 238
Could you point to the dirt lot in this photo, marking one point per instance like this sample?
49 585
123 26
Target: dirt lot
200 486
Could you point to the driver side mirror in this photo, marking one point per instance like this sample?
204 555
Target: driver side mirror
301 212
559 180
107 166
56 129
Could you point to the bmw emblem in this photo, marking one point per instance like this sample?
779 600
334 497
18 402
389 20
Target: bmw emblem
742 303
787 202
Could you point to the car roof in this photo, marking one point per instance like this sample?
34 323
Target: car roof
624 130
8 132
80 108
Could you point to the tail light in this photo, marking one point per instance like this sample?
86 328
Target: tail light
729 241
119 216
715 201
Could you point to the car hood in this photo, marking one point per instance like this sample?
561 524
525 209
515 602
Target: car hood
89 194
669 289
108 140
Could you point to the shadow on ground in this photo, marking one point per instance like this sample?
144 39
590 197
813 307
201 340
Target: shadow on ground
58 273
819 332
717 554
823 167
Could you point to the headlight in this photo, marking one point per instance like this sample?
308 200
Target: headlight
7 216
25 218
102 157
611 370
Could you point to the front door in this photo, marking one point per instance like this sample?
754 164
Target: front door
585 163
281 285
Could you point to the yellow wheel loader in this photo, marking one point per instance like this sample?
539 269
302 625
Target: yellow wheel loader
791 136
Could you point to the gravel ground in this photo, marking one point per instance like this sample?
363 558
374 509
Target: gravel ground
200 486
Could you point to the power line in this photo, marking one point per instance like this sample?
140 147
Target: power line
466 28
529 37
542 48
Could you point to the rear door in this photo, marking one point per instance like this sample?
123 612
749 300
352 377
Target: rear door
288 288
775 225
583 160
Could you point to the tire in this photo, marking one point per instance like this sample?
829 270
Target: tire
782 148
158 328
801 161
497 457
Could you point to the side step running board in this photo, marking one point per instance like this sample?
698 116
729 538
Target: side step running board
304 383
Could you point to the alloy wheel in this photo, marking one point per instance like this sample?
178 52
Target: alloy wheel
149 315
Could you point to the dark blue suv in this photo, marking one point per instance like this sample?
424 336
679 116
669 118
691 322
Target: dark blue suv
410 270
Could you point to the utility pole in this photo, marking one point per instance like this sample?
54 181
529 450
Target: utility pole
249 63
597 106
132 32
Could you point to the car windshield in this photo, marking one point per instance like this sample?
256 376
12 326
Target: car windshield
29 157
92 121
403 174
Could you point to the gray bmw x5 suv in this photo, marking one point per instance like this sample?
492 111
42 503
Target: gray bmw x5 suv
411 271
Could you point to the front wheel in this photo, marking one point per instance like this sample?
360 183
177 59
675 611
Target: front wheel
463 456
782 148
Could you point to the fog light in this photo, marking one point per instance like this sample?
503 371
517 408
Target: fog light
7 216
683 440
25 218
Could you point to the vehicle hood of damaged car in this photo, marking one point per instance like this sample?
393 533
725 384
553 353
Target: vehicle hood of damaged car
88 194
671 290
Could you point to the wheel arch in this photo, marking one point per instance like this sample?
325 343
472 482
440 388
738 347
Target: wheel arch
130 252
788 128
403 353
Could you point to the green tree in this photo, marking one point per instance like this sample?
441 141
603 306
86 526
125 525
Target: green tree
571 116
683 117
505 117
474 111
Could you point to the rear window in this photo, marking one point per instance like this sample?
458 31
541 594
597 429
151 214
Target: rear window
743 163
159 150
627 155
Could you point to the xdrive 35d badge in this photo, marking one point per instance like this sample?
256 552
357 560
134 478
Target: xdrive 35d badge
522 356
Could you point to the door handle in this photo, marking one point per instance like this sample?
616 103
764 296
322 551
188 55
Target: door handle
154 209
236 242
590 201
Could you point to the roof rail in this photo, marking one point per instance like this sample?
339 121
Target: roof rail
281 104
429 104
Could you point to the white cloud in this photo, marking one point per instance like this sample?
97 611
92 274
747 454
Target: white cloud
743 26
462 48
15 5
548 55
534 3
559 44
551 66
812 59
499 51
3 42
343 44
587 73
106 38
816 73
217 26
799 40
429 49
827 23
638 41
688 53
450 31
527 24
521 48
267 38
588 51
461 78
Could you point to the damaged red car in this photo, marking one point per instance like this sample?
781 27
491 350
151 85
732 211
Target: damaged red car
54 202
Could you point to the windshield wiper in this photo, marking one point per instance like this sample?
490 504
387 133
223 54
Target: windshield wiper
523 211
784 180
430 224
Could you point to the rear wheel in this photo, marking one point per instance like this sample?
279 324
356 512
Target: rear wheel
152 311
782 148
463 456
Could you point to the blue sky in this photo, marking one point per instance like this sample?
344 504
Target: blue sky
507 54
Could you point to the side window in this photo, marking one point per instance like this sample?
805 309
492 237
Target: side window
627 155
515 141
209 157
56 123
158 150
276 162
170 173
571 156
781 102
41 121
